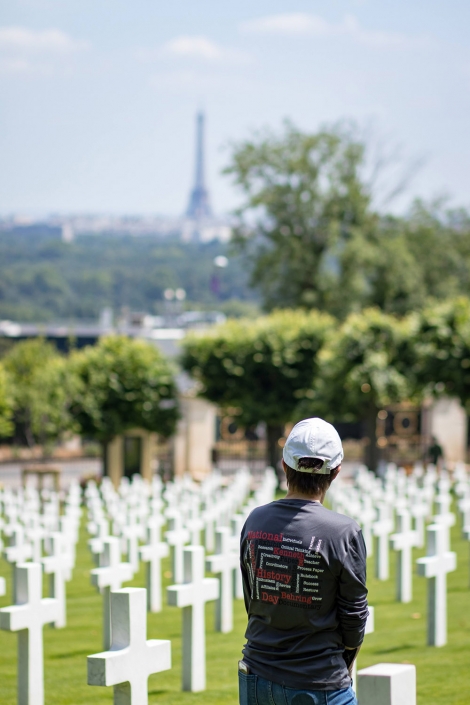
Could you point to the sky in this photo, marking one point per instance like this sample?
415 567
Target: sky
99 96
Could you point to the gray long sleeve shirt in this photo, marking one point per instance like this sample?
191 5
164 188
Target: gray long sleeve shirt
304 581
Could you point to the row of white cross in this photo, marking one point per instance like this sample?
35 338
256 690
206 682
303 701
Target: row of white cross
123 615
393 512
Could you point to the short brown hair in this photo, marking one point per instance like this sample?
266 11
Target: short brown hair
307 482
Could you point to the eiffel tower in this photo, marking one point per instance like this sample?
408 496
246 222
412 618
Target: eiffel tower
199 207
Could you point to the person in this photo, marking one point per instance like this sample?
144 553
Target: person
304 583
435 452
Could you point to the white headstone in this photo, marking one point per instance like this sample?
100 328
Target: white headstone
3 586
403 542
192 595
110 576
223 563
132 658
387 684
435 567
152 554
27 617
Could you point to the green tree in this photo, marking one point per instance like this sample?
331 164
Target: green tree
6 404
305 202
123 384
29 365
261 367
366 364
442 343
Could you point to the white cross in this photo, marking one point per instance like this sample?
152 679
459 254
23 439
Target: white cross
419 510
464 508
192 596
152 554
18 551
110 576
96 544
132 533
57 565
223 563
237 523
27 617
444 516
435 567
366 519
131 659
176 537
403 542
381 530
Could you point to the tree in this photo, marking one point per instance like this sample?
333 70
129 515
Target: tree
442 343
305 201
37 396
123 384
6 404
366 364
261 367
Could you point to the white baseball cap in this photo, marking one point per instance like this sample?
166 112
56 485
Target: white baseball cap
313 438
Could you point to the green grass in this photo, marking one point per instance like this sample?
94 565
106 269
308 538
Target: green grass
443 674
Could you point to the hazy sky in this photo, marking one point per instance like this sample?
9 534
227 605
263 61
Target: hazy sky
99 96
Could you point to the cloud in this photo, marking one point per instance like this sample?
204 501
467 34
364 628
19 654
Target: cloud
23 40
193 47
307 24
24 50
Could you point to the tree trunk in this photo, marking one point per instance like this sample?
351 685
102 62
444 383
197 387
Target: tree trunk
274 432
104 456
372 453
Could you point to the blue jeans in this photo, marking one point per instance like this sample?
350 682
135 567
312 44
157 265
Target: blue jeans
258 691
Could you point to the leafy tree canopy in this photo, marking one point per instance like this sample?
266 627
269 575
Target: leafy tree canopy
442 344
315 240
262 367
40 388
366 364
123 384
6 404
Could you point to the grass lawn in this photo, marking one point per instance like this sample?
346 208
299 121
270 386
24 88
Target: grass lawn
400 636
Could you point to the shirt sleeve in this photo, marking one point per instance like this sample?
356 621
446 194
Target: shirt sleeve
352 592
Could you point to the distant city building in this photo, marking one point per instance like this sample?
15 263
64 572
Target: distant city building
198 224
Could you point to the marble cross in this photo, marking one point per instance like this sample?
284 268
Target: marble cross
131 658
152 554
110 576
192 595
444 516
223 563
176 537
237 523
435 566
27 617
57 565
132 533
403 542
18 551
381 529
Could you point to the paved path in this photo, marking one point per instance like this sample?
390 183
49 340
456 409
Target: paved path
10 473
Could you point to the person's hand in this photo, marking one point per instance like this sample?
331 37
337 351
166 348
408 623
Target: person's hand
350 654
